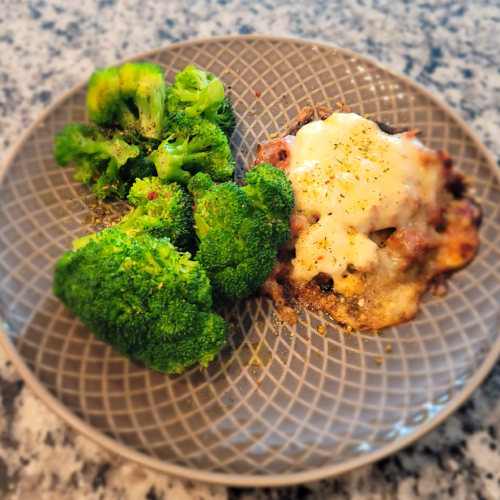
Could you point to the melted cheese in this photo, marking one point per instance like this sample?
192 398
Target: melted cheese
353 179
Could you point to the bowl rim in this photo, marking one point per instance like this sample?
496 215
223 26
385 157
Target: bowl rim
247 480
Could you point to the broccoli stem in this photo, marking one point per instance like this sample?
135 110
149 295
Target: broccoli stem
142 104
215 91
209 98
112 170
81 242
199 159
150 115
186 95
201 227
198 144
117 150
157 107
129 222
154 269
125 116
169 160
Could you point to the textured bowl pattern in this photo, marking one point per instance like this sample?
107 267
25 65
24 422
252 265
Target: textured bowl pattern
323 400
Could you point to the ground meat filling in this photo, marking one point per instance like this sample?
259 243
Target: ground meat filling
414 262
275 151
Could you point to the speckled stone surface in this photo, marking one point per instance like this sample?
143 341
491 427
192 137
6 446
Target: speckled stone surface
451 47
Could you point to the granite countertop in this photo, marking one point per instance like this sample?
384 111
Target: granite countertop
47 46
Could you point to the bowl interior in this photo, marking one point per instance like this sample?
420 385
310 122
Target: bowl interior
322 398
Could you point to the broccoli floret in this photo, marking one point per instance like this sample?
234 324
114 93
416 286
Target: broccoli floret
237 247
149 189
163 211
132 96
140 221
198 93
192 145
95 157
86 169
199 185
135 168
170 204
224 117
143 298
144 84
195 92
272 192
104 104
109 185
135 223
241 229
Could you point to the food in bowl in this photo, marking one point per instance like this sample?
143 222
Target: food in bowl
378 220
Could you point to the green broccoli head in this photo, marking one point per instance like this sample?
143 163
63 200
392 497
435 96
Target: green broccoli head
144 85
199 184
224 117
105 105
192 145
168 203
86 169
109 185
138 221
195 92
132 96
270 190
143 298
95 157
237 246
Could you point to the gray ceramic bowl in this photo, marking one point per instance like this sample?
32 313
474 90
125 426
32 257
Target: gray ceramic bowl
324 406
